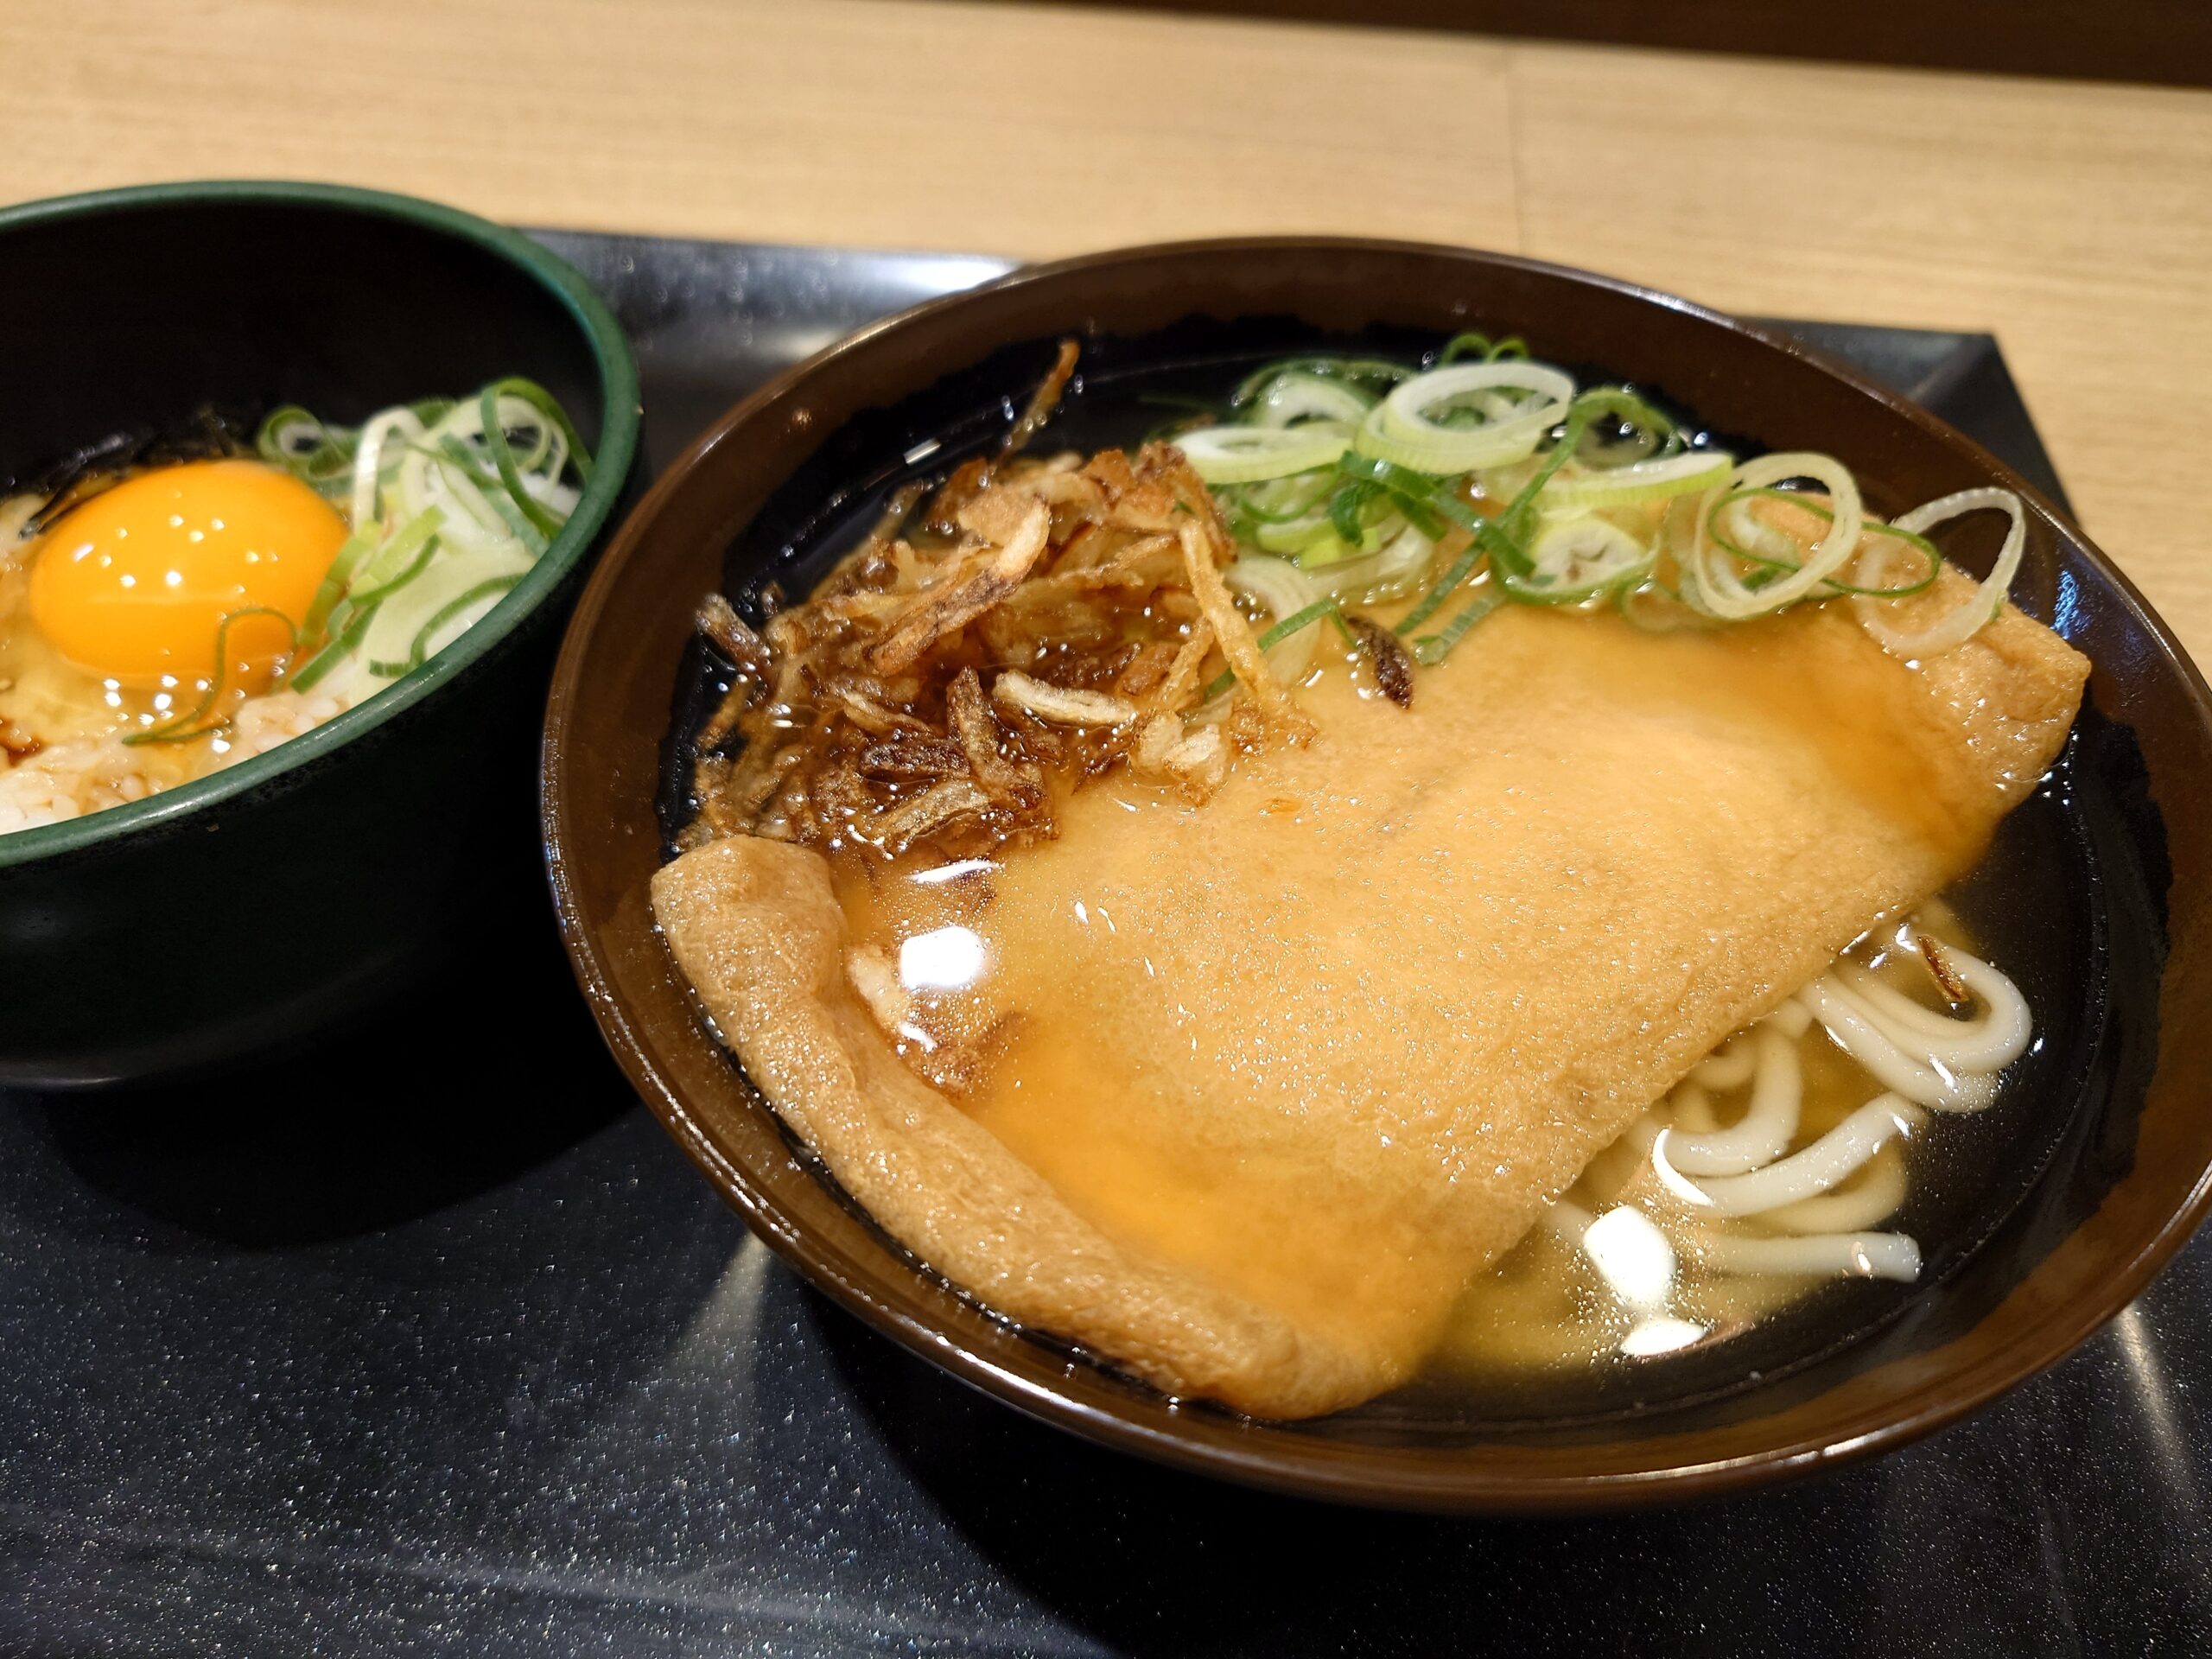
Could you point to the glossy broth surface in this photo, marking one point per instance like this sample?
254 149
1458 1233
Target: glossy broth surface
1029 1000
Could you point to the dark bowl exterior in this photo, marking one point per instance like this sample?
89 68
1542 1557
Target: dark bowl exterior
249 909
256 921
610 707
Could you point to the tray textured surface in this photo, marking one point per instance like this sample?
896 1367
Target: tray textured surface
294 1360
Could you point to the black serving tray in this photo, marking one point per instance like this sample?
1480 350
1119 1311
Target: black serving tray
429 1341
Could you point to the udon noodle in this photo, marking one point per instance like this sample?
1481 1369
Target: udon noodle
1723 1201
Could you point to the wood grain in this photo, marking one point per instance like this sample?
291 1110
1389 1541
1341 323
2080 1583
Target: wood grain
1012 131
2072 220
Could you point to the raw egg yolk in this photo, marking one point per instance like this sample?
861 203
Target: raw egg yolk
133 586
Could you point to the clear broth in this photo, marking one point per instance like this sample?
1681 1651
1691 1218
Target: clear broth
1533 1340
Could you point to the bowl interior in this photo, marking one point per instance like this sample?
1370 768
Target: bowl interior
137 311
138 314
2091 1172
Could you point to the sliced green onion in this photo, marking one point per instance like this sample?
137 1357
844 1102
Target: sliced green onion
1347 508
1285 590
402 559
1987 601
1332 548
1426 503
184 728
1301 396
503 457
357 550
336 650
1405 426
1291 535
1515 522
1479 344
369 467
1276 583
478 487
1731 596
547 405
1460 569
1371 579
419 652
1275 635
1575 559
1875 530
1578 468
455 453
1282 500
326 458
1643 480
362 560
1248 455
1654 430
1432 648
1500 539
1318 540
347 620
1367 372
352 628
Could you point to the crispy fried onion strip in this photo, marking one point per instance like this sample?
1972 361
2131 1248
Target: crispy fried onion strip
1234 635
1060 705
1044 400
981 580
1194 758
981 744
1039 619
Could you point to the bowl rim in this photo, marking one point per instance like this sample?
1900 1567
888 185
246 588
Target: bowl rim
1455 1480
618 444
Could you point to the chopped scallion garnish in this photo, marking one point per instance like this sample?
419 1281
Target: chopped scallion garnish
1589 480
452 501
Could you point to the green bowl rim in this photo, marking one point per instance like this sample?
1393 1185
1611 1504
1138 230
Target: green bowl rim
617 443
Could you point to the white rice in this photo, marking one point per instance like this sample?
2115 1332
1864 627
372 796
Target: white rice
67 779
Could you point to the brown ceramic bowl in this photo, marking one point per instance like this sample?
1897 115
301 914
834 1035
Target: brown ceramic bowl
2097 1169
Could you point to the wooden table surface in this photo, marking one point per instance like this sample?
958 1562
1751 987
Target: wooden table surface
2074 220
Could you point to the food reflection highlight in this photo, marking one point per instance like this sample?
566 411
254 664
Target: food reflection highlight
943 959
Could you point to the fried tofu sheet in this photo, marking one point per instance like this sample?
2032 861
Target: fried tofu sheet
1288 1069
